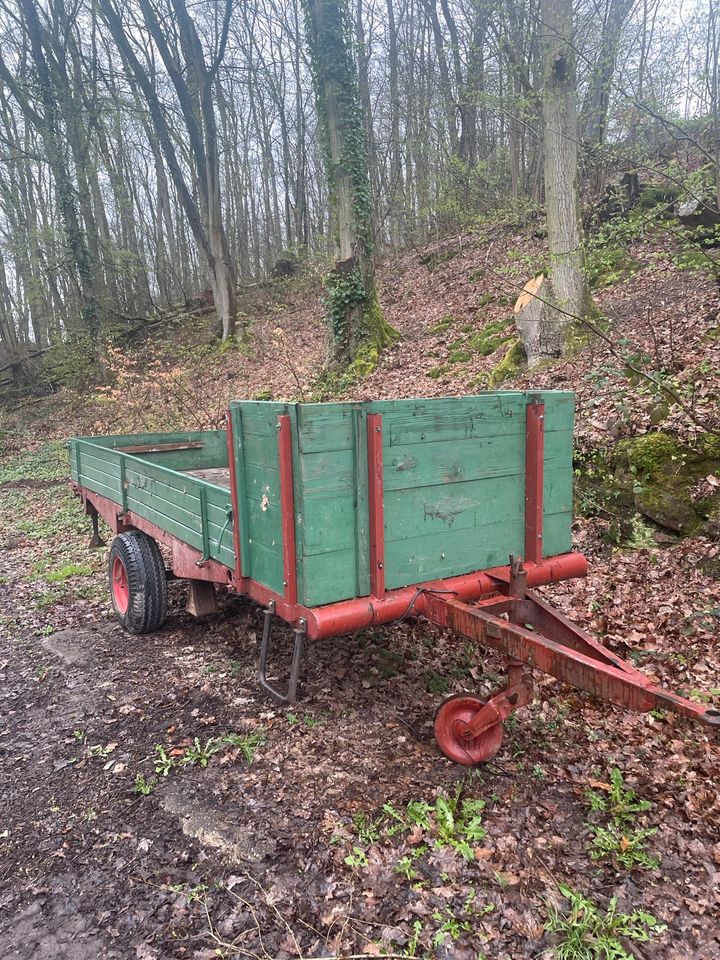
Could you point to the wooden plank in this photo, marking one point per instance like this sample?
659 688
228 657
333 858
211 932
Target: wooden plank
450 461
534 470
330 577
326 426
287 510
266 567
262 481
156 498
264 526
213 453
416 559
329 472
472 505
259 416
241 487
160 447
456 418
102 465
557 535
557 488
452 418
89 473
327 524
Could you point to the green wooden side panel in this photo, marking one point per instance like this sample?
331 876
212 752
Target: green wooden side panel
329 575
186 507
213 453
258 478
454 493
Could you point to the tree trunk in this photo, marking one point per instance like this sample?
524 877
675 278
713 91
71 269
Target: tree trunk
354 313
566 295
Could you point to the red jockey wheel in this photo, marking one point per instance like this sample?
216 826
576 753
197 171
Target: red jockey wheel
452 737
120 586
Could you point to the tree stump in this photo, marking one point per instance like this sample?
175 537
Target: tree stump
540 325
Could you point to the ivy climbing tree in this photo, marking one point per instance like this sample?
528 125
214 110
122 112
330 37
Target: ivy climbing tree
358 327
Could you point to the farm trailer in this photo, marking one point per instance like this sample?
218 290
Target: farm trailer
338 516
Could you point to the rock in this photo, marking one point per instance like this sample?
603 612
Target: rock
666 509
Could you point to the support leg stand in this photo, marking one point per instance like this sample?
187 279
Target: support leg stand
292 688
96 540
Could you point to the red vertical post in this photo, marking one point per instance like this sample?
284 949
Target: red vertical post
234 495
287 510
534 459
376 509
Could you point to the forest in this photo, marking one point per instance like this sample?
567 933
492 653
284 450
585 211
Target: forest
373 344
151 154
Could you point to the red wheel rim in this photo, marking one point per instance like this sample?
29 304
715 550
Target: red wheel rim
120 586
450 718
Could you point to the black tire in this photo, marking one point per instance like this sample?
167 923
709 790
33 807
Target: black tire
138 585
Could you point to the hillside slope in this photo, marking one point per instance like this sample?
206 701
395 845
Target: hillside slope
157 806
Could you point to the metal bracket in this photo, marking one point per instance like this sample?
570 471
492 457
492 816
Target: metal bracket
269 688
96 540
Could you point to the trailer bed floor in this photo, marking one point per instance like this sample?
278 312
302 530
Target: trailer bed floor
220 476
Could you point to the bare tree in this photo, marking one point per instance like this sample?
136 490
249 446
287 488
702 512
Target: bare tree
193 79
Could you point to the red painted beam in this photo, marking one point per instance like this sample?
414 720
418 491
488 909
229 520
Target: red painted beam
287 510
534 463
338 618
376 509
234 496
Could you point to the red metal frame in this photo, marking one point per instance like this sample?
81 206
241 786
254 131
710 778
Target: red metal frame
376 509
534 463
234 498
559 648
349 615
287 510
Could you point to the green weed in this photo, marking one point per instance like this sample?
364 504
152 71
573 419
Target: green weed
619 839
585 933
249 743
452 821
435 683
144 787
357 858
200 754
625 846
164 763
619 801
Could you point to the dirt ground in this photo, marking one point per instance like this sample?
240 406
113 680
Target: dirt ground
291 854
